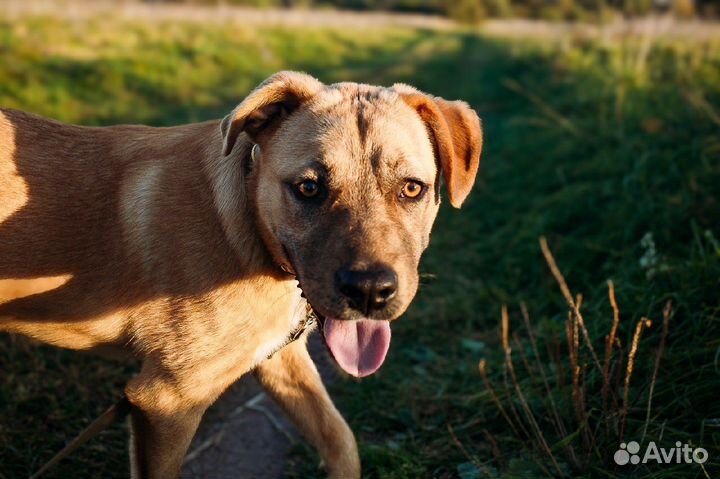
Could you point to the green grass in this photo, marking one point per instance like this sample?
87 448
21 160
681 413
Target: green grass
593 144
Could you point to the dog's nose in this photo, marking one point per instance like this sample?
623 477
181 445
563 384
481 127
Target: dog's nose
367 290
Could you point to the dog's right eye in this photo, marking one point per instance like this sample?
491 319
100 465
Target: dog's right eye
307 189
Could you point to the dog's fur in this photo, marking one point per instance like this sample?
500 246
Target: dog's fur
173 245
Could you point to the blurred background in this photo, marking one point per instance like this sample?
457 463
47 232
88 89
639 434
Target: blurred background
602 135
469 11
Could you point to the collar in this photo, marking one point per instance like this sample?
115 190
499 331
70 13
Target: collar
305 324
309 319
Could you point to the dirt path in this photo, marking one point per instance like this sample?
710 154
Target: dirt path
81 9
244 434
644 27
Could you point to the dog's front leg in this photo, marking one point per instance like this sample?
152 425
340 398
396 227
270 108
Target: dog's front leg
163 422
291 378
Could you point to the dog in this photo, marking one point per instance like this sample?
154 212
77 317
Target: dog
198 249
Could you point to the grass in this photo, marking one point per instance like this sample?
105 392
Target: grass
609 148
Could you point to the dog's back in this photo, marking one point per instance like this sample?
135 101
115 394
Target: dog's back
77 226
54 183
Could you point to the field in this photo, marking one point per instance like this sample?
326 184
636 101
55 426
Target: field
608 146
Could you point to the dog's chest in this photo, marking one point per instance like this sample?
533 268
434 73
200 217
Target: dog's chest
284 331
253 321
230 333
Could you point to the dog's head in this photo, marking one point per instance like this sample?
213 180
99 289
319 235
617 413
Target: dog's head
345 183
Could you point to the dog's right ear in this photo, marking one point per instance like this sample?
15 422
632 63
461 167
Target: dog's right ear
260 113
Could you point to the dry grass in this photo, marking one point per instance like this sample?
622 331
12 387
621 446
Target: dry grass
581 447
667 312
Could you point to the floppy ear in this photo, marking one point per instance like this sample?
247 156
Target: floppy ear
271 101
456 133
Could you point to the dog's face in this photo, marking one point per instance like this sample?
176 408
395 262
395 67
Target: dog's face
345 184
346 196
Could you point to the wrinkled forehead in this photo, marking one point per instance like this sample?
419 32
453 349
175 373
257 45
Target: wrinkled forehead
358 129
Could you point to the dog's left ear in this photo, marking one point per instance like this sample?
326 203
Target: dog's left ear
456 133
260 112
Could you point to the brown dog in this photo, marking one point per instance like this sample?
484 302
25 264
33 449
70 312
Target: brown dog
185 246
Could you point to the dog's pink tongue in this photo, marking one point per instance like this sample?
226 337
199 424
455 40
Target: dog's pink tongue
358 346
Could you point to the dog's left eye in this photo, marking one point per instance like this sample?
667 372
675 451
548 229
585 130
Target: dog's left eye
412 190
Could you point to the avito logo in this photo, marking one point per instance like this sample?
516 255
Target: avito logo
681 453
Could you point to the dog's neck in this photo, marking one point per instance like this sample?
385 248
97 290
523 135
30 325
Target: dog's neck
231 198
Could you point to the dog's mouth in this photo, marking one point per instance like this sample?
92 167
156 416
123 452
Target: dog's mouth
359 346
